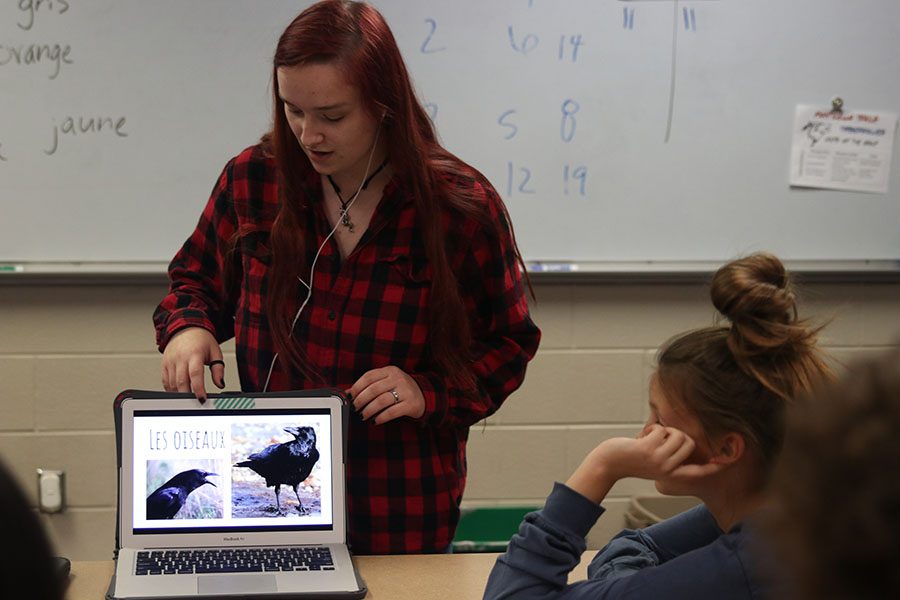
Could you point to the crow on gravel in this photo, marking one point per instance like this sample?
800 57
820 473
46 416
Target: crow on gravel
289 463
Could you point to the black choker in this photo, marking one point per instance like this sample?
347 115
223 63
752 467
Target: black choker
345 211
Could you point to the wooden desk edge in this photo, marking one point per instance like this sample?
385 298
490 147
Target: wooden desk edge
437 576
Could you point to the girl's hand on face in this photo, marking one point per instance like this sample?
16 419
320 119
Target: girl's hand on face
656 453
386 394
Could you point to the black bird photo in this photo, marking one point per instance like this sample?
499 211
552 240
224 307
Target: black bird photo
288 463
167 499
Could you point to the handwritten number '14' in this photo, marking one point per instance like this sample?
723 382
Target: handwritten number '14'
574 41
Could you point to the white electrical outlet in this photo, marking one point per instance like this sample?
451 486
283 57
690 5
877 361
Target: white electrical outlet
51 490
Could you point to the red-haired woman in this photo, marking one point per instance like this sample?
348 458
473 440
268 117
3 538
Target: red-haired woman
349 249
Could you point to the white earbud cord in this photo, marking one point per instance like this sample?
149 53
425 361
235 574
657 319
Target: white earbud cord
312 269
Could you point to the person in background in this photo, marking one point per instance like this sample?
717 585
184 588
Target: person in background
717 401
836 517
349 249
28 568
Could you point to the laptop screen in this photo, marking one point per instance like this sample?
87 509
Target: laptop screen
220 471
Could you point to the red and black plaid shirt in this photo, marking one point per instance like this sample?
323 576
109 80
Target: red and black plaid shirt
406 477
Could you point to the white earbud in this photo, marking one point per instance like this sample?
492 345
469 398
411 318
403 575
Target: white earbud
312 268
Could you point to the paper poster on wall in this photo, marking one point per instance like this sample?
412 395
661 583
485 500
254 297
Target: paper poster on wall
842 150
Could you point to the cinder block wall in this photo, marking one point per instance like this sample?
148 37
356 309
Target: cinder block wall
66 350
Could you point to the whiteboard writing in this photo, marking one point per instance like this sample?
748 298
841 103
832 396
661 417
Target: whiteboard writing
52 55
614 130
73 128
30 9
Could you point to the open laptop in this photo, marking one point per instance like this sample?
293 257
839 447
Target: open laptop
198 512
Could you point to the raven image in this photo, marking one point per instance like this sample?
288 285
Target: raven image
167 500
289 463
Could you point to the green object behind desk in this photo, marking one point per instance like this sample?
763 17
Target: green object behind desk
488 529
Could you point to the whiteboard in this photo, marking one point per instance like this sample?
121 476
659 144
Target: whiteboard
615 130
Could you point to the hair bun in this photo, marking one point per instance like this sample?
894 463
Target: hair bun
753 291
766 338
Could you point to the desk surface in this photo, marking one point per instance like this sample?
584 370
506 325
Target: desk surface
399 577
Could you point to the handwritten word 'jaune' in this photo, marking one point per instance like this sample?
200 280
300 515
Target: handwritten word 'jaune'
36 54
85 125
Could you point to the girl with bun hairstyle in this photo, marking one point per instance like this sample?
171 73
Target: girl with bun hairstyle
717 402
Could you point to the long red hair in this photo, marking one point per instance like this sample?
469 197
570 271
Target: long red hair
354 36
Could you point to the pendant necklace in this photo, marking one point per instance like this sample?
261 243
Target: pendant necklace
345 210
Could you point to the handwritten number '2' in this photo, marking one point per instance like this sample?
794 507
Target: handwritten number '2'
425 49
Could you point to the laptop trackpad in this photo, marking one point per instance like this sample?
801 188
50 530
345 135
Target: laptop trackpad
235 584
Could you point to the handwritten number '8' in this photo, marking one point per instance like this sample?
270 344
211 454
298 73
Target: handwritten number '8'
567 124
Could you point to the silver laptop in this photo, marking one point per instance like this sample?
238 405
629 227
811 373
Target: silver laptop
242 496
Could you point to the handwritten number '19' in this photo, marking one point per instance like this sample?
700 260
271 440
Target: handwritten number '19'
425 49
579 174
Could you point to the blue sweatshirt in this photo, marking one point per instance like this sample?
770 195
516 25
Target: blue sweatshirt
687 557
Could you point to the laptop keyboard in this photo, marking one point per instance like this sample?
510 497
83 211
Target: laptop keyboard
233 560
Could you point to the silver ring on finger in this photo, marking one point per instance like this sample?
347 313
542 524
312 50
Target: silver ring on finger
396 396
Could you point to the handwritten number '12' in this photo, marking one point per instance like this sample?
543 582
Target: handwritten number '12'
525 179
